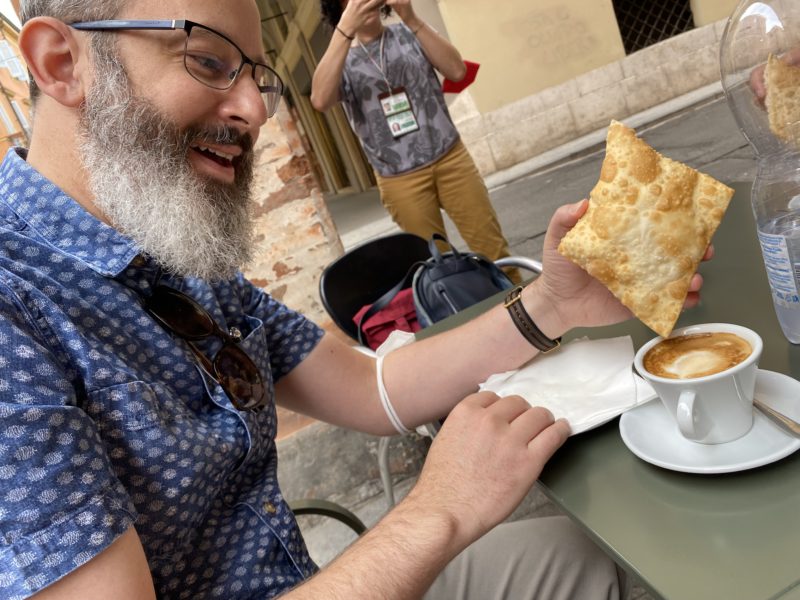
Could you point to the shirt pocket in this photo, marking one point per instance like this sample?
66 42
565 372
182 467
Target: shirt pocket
254 344
252 329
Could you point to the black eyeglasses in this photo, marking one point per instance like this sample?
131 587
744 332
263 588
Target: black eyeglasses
209 56
230 367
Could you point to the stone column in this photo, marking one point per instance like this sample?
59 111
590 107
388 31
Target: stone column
296 236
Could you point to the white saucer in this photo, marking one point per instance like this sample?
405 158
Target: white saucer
651 433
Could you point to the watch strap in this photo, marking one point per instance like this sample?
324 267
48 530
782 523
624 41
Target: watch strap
524 323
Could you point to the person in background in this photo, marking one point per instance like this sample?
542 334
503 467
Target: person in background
385 78
140 370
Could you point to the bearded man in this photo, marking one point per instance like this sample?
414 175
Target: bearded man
139 369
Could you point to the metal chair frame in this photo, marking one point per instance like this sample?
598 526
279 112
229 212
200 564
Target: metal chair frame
329 509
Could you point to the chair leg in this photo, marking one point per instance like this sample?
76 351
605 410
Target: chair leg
383 467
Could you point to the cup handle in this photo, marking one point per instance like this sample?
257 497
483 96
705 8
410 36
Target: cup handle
686 414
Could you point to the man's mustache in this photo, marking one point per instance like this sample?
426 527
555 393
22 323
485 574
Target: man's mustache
221 134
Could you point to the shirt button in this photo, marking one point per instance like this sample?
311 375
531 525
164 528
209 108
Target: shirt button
270 508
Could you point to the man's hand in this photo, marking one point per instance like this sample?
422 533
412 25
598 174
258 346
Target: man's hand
577 297
757 82
485 459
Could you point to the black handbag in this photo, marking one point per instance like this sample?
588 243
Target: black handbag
452 281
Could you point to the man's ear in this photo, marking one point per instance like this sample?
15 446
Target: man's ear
55 59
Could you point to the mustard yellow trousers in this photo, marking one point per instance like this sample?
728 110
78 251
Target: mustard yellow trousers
452 183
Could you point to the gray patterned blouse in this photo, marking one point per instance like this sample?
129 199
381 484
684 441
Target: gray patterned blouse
407 66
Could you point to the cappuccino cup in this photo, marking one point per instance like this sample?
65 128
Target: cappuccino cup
705 376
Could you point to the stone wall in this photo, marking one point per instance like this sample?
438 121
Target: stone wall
533 125
295 233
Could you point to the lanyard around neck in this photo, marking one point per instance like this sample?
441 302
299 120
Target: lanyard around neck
382 66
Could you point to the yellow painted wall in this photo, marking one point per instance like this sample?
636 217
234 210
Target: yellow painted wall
525 46
708 11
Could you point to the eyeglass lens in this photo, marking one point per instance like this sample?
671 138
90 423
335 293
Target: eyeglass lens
214 61
233 369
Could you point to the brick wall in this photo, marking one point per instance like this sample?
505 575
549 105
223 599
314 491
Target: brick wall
295 233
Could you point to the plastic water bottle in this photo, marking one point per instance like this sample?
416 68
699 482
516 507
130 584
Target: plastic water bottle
776 206
756 30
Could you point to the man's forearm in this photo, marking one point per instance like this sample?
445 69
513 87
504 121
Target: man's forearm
396 560
423 386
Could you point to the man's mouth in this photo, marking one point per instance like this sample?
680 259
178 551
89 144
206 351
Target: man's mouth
223 159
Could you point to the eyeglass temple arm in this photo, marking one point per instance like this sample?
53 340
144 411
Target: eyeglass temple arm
111 24
205 363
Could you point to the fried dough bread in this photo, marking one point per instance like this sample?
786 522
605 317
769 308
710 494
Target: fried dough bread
782 82
649 222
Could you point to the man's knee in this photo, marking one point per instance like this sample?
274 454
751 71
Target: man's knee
547 557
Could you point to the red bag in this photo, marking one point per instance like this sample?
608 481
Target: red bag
399 313
454 87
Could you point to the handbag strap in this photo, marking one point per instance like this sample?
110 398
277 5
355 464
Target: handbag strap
386 298
433 248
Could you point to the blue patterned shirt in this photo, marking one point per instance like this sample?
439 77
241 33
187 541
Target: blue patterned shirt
106 421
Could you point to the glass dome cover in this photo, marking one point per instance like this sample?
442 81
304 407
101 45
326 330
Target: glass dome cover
760 69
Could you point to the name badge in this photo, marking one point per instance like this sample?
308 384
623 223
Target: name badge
398 112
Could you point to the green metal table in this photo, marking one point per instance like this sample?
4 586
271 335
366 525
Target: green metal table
688 536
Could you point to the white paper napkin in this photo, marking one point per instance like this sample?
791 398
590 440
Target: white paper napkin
587 382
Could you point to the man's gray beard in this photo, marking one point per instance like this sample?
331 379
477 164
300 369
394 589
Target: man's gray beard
138 169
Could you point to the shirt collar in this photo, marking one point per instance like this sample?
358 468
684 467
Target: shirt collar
60 220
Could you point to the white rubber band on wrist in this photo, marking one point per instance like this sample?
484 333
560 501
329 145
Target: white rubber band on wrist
386 403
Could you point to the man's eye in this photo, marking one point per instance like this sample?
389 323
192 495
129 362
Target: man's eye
208 64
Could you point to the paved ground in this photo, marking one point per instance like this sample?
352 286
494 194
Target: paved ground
705 136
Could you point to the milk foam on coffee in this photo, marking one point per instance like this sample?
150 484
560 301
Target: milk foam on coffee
696 355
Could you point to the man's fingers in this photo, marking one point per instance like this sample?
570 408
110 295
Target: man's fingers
532 422
514 410
696 282
549 439
757 83
693 295
482 399
509 408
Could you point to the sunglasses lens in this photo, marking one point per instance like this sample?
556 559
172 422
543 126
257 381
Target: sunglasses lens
233 369
239 377
180 313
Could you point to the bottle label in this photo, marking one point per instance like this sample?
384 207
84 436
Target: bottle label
780 271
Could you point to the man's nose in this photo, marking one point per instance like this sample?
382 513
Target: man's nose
244 102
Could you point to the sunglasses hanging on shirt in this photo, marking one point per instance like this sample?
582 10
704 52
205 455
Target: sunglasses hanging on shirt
230 367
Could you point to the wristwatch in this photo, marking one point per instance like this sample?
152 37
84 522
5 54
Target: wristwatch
525 324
